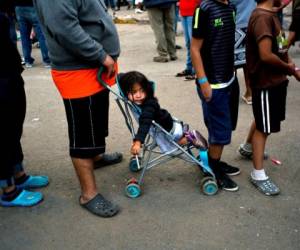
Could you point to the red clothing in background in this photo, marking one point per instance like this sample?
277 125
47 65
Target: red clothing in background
187 7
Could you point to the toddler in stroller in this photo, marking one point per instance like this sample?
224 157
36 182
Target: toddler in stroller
172 137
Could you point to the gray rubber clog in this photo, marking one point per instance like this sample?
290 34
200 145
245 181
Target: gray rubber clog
267 187
101 206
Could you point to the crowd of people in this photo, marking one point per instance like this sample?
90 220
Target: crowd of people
86 39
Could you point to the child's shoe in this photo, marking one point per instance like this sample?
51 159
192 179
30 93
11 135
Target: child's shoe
24 199
138 11
197 139
245 150
267 187
32 181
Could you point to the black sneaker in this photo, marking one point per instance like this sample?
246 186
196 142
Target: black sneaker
228 169
226 183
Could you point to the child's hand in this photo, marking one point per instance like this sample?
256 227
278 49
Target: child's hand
136 147
291 68
206 91
297 74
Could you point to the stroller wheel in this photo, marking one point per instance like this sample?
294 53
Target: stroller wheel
133 165
133 190
209 186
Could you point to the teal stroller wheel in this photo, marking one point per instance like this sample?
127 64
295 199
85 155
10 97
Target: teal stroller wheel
133 189
133 165
209 186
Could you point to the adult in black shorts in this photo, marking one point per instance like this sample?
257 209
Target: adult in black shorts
81 38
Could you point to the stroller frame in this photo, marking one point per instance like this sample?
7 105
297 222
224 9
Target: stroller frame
152 157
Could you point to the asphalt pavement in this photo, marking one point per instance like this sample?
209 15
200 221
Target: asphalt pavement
172 213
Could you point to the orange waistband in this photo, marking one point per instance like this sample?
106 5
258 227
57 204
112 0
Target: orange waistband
80 83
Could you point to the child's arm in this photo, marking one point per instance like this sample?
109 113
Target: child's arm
196 46
268 57
199 31
150 107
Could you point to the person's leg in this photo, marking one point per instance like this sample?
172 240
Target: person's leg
258 145
157 25
12 110
176 9
268 110
118 5
189 37
22 14
88 126
234 103
85 172
170 36
186 33
217 119
251 132
248 94
40 36
112 4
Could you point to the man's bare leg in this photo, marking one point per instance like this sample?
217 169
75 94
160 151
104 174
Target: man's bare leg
85 172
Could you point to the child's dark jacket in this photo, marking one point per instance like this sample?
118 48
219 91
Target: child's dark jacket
152 111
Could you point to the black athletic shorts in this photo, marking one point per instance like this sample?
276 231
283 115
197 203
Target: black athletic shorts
87 124
269 107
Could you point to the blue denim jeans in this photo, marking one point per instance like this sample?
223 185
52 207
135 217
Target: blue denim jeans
187 23
110 3
27 19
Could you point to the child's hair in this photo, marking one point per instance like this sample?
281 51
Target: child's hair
127 80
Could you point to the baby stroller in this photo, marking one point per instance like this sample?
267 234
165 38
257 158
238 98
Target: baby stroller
154 152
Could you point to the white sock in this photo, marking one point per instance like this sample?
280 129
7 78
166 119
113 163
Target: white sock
259 175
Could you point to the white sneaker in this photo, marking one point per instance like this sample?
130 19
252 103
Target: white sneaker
138 11
28 65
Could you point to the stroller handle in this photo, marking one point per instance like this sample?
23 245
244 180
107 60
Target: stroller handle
105 85
100 80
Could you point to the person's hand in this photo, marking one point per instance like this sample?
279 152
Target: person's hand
206 91
297 74
136 147
109 65
291 68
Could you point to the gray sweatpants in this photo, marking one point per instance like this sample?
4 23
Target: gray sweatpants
162 22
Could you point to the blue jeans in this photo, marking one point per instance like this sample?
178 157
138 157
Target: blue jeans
110 3
187 23
27 19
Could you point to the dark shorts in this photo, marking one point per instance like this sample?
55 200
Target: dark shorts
221 113
87 124
268 107
295 25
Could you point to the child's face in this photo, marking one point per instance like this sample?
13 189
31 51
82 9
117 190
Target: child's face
137 95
